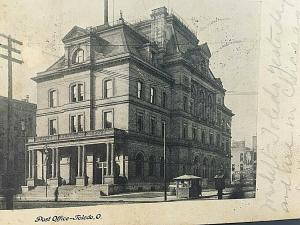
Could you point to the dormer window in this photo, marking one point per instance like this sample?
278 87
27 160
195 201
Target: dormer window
78 56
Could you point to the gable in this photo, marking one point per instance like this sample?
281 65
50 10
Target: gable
74 33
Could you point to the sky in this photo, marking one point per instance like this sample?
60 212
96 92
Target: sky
231 29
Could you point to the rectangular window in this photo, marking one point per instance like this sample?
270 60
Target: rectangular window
164 99
211 139
73 124
241 157
80 123
108 120
192 108
140 123
218 139
194 133
77 123
139 89
52 127
152 95
233 167
77 92
241 167
53 98
185 103
152 125
219 119
80 92
73 93
108 89
184 131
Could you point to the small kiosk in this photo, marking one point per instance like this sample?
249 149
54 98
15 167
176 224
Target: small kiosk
188 186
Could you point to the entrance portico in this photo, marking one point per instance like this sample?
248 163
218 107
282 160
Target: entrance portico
79 162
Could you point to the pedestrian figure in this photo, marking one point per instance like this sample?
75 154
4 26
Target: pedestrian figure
220 183
56 194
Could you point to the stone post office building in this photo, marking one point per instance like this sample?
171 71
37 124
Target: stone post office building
102 106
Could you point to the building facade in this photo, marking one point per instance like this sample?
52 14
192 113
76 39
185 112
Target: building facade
103 105
12 157
243 162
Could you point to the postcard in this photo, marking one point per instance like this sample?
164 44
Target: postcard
149 112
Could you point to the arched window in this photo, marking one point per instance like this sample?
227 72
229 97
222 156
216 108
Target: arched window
201 105
152 95
213 168
78 56
52 98
139 165
184 168
196 166
140 89
201 96
211 139
205 168
151 166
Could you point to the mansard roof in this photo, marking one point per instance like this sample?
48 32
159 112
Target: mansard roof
204 47
107 42
58 64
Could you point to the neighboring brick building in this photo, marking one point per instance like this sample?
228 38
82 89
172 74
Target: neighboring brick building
101 108
12 163
243 161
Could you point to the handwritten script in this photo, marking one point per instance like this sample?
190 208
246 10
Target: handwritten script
278 111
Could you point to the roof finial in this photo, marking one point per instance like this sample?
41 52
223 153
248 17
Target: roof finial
121 17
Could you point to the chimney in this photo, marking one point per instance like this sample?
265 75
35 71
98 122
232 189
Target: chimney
106 12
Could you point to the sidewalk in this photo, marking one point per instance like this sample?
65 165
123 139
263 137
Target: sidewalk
128 197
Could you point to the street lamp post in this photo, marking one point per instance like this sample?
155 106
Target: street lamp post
165 162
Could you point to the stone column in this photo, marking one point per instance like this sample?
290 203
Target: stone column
31 169
53 163
78 160
112 162
83 162
33 164
107 159
57 163
80 179
29 164
102 175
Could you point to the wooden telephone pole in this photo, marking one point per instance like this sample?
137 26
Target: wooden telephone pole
10 60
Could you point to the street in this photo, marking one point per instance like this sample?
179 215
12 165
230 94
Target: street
128 198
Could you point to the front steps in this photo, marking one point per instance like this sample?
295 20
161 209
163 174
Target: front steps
68 193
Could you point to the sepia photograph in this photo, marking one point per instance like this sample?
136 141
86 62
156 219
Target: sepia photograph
122 102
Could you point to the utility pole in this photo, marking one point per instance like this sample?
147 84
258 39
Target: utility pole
10 60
